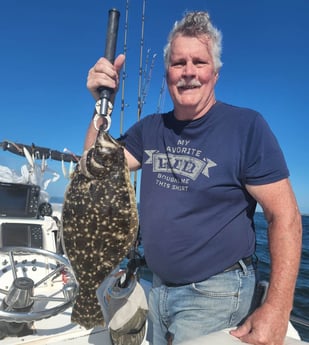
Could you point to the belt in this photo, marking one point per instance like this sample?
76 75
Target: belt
247 261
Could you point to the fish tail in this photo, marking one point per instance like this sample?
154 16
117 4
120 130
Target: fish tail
87 312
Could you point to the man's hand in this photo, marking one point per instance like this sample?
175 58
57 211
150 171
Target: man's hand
106 74
266 326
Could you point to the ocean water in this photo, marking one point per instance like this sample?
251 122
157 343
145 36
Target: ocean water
300 313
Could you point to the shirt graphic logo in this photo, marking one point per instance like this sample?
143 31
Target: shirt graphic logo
186 164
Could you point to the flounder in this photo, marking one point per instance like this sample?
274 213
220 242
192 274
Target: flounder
99 222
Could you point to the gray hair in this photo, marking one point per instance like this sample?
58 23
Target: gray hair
195 24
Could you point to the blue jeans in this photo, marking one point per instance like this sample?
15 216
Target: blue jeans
190 311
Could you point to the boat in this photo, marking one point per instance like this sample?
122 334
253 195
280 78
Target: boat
37 283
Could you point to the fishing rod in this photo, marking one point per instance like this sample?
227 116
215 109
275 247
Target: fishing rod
161 96
147 78
109 54
140 74
124 73
139 102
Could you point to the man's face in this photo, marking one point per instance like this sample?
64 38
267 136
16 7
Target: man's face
191 76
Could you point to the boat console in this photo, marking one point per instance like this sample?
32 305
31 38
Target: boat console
36 280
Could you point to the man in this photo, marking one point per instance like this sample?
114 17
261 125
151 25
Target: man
205 165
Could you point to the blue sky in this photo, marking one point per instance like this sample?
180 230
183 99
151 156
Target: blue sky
47 48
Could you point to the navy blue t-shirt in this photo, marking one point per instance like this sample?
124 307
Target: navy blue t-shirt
196 217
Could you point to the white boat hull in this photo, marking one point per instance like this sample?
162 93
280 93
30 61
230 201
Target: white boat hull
224 338
58 330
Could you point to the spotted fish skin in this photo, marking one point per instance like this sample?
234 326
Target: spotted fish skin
99 222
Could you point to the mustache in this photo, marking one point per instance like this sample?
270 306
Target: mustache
191 83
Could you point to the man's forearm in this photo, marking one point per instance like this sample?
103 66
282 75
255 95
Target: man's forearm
285 241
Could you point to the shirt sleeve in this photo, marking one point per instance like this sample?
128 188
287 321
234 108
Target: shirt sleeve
133 141
265 162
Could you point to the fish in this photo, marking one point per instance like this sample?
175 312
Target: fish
99 222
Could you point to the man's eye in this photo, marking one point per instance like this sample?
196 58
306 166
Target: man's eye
200 63
177 64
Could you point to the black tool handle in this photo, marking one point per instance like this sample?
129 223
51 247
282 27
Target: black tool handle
109 54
